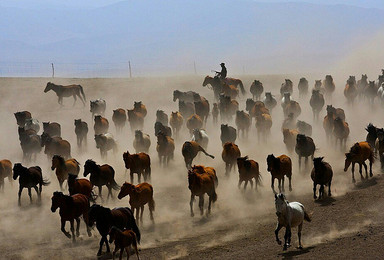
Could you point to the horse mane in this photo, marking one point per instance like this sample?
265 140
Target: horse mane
61 159
355 149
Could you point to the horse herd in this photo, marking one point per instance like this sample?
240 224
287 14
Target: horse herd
193 114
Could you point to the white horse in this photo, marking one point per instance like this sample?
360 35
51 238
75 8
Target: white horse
380 93
289 215
32 123
201 137
286 99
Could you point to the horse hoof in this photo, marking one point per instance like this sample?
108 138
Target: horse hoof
279 242
300 247
285 248
192 215
99 253
353 181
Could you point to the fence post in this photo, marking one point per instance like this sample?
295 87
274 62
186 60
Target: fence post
130 71
53 70
194 66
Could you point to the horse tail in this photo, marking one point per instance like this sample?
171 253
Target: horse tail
259 180
151 204
93 197
307 217
242 87
82 92
133 225
114 185
45 182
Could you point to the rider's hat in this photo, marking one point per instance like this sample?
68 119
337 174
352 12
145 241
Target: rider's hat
222 64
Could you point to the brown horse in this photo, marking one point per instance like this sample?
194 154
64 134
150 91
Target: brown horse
21 117
5 171
52 128
66 91
243 122
227 107
230 90
257 109
186 109
176 121
165 148
162 117
303 87
286 87
256 89
289 122
340 131
359 153
101 125
142 142
119 118
329 85
30 143
236 83
290 138
140 108
202 109
139 163
216 85
123 241
229 155
321 175
190 150
248 170
71 208
350 90
29 178
194 121
201 169
64 167
105 142
55 145
292 107
317 102
82 186
101 175
199 184
81 131
139 195
329 119
263 126
279 167
136 120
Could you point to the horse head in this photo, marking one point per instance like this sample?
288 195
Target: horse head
48 87
281 204
127 160
57 160
57 199
89 167
125 189
137 105
95 211
318 162
348 160
18 169
138 134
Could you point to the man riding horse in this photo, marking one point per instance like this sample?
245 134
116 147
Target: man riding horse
223 73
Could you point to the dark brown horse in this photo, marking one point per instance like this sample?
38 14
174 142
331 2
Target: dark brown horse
227 107
279 167
52 128
317 103
321 175
123 239
341 131
162 117
119 118
243 123
165 148
248 170
139 195
21 117
190 150
176 121
100 176
66 91
30 143
71 208
350 90
359 153
29 178
139 163
81 131
140 108
82 186
303 87
256 89
202 109
186 109
305 147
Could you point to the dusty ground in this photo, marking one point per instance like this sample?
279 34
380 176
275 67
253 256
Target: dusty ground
241 225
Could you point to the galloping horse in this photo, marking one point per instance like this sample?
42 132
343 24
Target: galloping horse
359 153
321 174
64 167
279 167
66 91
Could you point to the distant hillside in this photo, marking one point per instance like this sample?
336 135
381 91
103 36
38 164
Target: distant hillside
169 35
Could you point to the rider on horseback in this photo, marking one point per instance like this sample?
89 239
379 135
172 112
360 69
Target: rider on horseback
223 73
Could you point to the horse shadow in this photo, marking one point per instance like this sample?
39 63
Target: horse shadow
325 201
292 254
365 184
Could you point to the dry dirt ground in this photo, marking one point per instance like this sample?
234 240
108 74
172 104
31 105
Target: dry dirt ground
241 226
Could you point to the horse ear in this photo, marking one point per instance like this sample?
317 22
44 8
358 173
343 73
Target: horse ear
275 196
281 196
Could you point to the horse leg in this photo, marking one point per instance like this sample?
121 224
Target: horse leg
100 192
61 184
314 190
38 192
77 227
121 254
290 183
251 182
139 174
73 230
201 204
101 245
245 184
282 184
366 170
131 174
370 168
361 171
63 229
30 194
353 173
106 244
306 162
240 181
137 215
279 181
321 191
227 169
299 163
141 214
191 204
329 189
74 101
20 190
287 237
299 228
278 227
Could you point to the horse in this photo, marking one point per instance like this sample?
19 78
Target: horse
66 91
140 108
350 90
329 85
123 240
279 167
176 121
256 89
379 146
201 137
318 86
243 122
30 143
105 142
165 148
229 155
32 123
362 84
142 142
81 131
52 128
227 107
269 101
359 153
21 117
287 86
186 109
139 195
101 175
159 127
139 163
29 178
119 118
303 87
317 103
328 123
194 121
263 126
289 215
101 125
200 183
82 186
289 122
341 131
304 128
162 117
136 120
230 90
290 138
248 170
5 171
202 109
305 147
184 96
227 134
292 107
64 167
190 150
71 208
97 107
106 218
215 113
370 92
321 174
216 85
236 83
257 109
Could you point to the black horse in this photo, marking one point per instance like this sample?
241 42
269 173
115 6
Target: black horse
29 178
105 218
